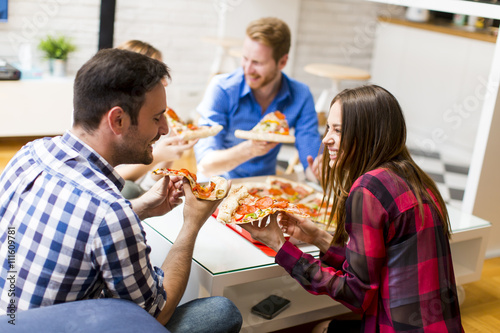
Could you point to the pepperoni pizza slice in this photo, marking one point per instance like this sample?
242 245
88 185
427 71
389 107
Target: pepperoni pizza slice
273 128
190 131
241 207
216 189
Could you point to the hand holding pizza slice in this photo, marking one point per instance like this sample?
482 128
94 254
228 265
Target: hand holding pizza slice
215 190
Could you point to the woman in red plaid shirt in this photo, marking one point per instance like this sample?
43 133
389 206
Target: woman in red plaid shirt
389 258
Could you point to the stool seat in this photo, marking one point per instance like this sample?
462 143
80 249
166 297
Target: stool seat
225 42
337 72
224 62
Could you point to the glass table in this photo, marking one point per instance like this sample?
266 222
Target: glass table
226 264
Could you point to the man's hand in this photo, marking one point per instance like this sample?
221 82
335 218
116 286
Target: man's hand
197 211
164 196
259 148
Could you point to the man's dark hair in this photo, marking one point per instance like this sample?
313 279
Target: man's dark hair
112 78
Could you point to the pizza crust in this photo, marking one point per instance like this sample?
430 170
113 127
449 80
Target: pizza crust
262 136
229 205
201 132
220 189
221 186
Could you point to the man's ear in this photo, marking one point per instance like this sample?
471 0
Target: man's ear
118 120
283 61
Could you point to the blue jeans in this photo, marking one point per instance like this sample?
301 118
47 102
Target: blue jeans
211 314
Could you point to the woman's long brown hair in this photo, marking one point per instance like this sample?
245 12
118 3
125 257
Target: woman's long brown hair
373 135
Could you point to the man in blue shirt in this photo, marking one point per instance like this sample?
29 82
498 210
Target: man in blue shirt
239 100
66 231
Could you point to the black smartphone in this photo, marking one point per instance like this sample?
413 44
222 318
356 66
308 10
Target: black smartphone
271 306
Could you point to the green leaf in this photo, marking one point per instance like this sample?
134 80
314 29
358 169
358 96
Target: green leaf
56 47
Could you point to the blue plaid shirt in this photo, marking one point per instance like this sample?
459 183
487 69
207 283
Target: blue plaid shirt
75 235
229 101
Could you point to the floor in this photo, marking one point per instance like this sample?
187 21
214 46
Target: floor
449 176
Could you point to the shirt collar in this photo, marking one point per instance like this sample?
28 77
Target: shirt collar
96 161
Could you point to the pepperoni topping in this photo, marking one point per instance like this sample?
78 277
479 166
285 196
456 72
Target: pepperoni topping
279 115
245 209
280 204
171 113
289 190
253 191
264 202
274 191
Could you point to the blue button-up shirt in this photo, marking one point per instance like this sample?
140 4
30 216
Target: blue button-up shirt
71 232
229 101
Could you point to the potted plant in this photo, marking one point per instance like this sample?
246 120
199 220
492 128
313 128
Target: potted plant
56 50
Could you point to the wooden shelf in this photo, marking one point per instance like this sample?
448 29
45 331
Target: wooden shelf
445 29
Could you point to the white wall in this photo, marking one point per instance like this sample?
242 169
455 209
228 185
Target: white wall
31 20
334 31
441 89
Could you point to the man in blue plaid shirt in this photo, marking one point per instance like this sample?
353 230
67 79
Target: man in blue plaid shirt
72 233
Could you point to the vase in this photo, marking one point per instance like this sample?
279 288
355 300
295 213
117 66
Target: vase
57 67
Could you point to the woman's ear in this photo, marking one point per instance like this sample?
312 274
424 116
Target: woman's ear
118 120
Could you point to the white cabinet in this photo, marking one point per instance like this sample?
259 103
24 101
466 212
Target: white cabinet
36 107
440 81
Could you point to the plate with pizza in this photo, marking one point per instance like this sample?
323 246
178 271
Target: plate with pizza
216 188
306 198
241 207
190 131
273 127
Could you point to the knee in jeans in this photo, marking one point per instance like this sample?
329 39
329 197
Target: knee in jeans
226 307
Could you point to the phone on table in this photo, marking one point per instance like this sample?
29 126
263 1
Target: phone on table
271 306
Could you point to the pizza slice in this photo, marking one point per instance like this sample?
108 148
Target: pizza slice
190 131
288 189
318 210
216 189
273 128
241 207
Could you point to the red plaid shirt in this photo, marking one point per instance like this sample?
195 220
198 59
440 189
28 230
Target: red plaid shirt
395 270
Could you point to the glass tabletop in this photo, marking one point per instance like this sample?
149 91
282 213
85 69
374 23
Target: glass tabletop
218 248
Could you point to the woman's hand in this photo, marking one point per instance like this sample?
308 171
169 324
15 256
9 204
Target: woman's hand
171 148
269 234
303 229
313 171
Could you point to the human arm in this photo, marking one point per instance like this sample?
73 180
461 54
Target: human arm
177 264
353 274
217 162
165 151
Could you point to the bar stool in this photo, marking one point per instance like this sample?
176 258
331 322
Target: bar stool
336 73
223 56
